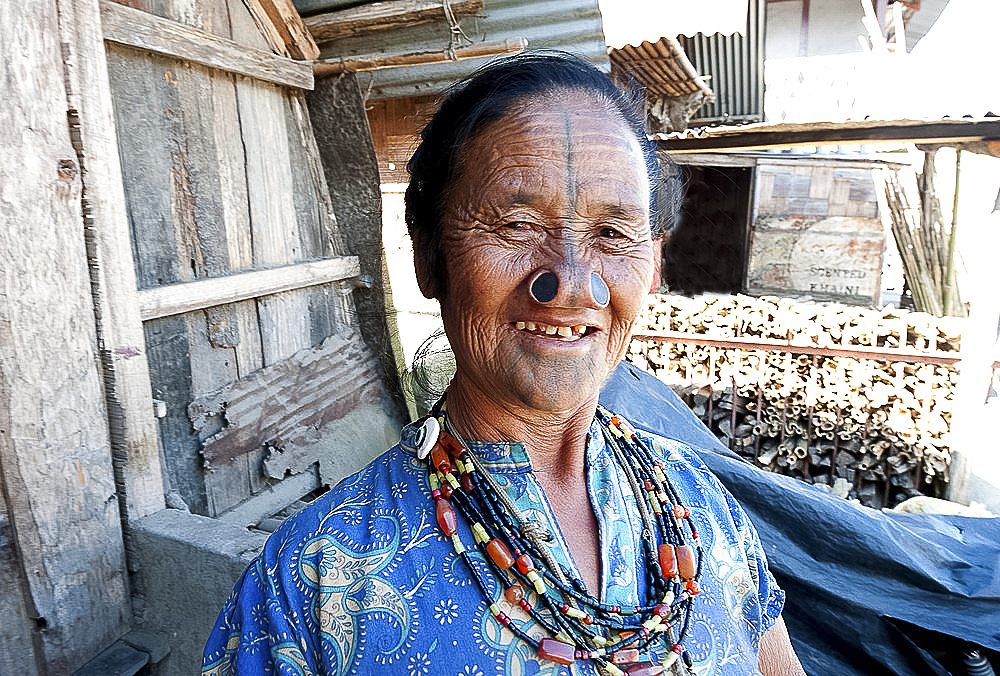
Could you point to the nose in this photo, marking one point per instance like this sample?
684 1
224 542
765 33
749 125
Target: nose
563 286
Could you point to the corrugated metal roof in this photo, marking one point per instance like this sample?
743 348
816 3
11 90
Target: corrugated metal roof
570 25
734 67
662 67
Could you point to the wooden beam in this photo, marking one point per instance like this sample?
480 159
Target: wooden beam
869 131
139 29
771 345
385 16
279 19
174 299
377 61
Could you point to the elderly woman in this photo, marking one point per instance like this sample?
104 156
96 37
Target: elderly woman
520 528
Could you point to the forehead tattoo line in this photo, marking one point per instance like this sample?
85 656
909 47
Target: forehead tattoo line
570 189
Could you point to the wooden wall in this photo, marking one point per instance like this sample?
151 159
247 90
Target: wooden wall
63 586
221 175
396 125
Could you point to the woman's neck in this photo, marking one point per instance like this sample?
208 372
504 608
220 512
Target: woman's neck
555 440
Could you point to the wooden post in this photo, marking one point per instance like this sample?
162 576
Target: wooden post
134 435
57 482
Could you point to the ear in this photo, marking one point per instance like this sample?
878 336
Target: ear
424 270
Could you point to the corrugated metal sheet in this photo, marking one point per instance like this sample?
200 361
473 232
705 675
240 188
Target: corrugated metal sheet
570 25
662 67
735 66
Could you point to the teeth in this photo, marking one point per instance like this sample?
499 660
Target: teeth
561 331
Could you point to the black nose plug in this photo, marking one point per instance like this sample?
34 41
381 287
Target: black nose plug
545 287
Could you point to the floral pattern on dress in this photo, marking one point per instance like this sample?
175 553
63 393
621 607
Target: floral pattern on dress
363 582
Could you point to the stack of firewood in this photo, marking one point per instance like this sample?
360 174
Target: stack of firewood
828 393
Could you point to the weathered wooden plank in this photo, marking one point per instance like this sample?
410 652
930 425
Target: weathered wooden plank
236 215
56 471
144 94
138 29
132 427
384 16
280 19
284 316
377 61
174 299
243 27
167 345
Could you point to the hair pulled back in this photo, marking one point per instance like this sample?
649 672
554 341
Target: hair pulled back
485 96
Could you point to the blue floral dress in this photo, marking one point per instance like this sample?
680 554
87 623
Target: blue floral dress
363 581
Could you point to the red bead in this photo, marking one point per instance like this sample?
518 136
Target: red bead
451 445
440 459
556 651
499 554
681 512
668 561
644 669
446 517
468 484
649 485
678 648
687 563
514 594
525 564
663 610
625 656
436 493
692 587
446 490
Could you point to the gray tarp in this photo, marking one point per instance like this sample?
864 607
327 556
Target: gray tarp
869 592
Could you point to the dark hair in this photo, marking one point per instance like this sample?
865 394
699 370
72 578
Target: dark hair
485 96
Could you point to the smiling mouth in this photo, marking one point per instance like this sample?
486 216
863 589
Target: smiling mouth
566 333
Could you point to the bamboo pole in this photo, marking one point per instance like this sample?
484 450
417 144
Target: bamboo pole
952 300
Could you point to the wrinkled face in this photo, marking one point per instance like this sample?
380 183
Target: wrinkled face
546 239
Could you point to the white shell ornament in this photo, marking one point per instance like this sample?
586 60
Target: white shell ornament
431 430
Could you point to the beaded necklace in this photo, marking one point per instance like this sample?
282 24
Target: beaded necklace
579 626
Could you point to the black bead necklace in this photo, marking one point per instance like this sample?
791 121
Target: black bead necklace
579 626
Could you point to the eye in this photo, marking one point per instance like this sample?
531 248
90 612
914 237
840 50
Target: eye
607 232
517 225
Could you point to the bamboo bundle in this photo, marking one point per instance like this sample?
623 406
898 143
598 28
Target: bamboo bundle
875 430
927 249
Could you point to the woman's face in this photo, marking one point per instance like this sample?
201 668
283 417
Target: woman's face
558 186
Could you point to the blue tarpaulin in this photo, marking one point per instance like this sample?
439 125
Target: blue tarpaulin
869 592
